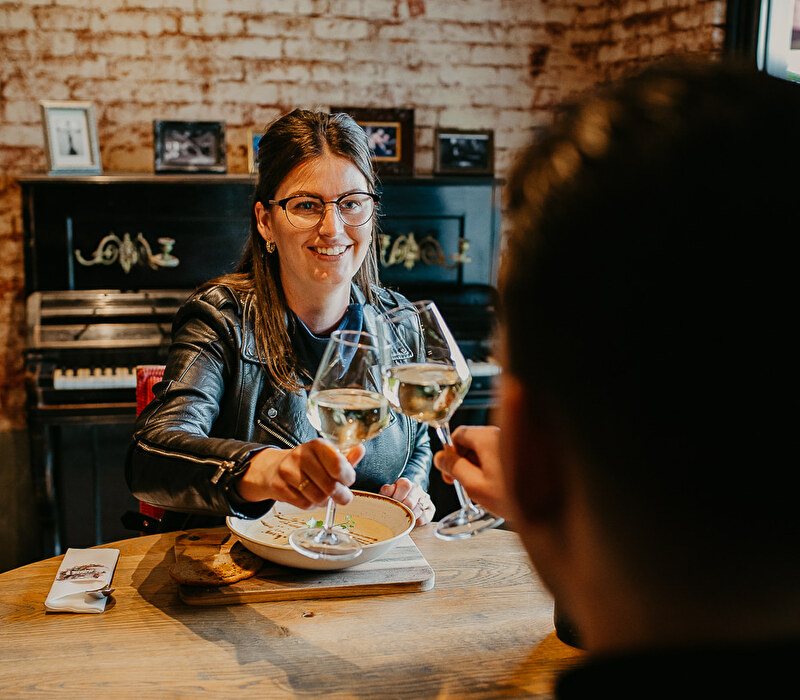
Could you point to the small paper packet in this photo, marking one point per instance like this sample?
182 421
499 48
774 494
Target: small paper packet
82 571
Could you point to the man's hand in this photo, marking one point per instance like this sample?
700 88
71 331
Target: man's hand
475 463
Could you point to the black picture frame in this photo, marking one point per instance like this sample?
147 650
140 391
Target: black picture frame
391 136
464 152
189 147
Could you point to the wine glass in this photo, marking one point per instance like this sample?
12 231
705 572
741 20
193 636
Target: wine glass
430 390
347 407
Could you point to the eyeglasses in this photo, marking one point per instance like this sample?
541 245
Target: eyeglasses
307 210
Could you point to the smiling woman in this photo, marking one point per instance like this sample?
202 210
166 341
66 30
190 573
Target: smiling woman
227 432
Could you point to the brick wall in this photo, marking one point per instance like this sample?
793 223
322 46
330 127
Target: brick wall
500 64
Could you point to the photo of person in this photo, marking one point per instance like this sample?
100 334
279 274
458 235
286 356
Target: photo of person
464 152
460 152
70 137
384 140
71 140
189 146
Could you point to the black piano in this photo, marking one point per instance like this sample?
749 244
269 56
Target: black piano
109 259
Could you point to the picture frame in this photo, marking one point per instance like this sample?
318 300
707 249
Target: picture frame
391 136
464 151
70 137
253 137
189 147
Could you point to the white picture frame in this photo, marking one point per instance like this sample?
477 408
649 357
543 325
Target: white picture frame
70 136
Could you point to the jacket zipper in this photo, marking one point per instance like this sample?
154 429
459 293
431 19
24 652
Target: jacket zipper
280 437
223 465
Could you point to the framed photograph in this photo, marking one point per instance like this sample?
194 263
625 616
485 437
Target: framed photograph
189 147
390 133
464 152
70 137
253 137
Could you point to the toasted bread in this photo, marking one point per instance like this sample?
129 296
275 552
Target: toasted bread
212 557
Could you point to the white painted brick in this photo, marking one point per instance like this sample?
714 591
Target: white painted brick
166 91
349 8
286 7
248 47
396 30
525 35
212 24
21 135
134 22
473 75
60 44
378 9
21 111
16 18
494 55
393 52
118 45
468 118
295 49
95 5
277 26
80 67
342 29
185 5
258 92
278 70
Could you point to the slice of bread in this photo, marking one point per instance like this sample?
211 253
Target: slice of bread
212 557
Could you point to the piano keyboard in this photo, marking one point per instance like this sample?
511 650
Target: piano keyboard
95 378
483 369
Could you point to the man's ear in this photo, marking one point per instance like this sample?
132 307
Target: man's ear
263 222
532 454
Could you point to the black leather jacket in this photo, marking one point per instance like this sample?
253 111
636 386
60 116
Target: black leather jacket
216 408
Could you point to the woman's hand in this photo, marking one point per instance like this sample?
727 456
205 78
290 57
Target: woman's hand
413 496
475 463
304 476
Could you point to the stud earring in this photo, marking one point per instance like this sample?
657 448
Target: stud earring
270 246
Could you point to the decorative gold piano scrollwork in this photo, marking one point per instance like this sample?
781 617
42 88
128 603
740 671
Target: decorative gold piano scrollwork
404 250
130 252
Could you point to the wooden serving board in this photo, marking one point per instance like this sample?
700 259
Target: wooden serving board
402 569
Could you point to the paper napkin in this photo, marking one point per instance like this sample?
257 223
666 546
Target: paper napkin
81 571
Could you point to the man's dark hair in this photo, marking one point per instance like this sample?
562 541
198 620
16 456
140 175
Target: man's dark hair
649 300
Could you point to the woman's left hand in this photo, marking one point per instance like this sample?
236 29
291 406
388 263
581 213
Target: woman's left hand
413 496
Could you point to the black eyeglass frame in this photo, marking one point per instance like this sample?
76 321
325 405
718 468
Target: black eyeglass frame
283 202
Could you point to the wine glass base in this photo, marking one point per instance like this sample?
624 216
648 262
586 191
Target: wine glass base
466 523
315 543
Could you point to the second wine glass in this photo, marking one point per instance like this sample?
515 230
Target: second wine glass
429 390
346 406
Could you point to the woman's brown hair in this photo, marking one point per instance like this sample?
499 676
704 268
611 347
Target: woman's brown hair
289 141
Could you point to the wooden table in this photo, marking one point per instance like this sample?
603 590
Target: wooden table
485 630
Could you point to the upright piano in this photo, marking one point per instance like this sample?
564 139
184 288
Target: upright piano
108 261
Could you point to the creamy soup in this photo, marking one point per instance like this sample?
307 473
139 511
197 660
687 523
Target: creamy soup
275 528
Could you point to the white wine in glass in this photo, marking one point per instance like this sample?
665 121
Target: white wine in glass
430 390
347 407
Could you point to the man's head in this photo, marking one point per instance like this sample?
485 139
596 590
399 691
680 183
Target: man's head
648 299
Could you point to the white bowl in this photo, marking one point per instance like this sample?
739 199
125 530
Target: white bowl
379 524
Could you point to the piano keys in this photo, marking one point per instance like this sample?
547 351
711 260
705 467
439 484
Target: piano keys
74 379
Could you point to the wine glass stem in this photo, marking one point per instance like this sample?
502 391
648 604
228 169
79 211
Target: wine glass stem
330 510
443 431
330 514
